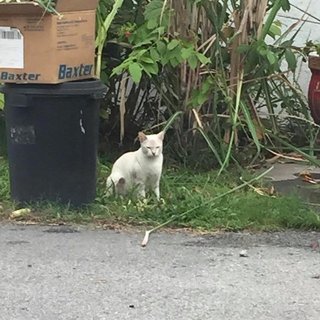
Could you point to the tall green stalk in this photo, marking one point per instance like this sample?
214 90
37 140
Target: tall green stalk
1 101
102 31
234 124
271 17
269 106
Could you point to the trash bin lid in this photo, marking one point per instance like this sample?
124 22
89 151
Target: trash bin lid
90 87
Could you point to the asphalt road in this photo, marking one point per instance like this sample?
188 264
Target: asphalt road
77 273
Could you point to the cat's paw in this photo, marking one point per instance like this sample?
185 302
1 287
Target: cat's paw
161 201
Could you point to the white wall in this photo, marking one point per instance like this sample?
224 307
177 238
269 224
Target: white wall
309 31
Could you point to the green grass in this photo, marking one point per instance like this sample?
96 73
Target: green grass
4 181
181 190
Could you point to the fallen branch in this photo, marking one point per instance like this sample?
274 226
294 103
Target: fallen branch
281 155
185 213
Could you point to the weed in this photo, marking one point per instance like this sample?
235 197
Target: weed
4 181
181 191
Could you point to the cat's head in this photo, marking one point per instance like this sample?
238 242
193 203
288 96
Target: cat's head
151 144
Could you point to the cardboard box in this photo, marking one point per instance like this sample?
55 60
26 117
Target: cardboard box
38 47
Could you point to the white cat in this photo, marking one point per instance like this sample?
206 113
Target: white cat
139 170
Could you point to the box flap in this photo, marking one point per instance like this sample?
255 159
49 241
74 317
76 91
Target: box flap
24 8
33 8
76 5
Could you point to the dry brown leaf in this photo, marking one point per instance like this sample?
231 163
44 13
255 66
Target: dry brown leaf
307 177
259 130
273 159
305 173
309 180
270 191
197 117
288 156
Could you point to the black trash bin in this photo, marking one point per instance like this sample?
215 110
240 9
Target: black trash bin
52 137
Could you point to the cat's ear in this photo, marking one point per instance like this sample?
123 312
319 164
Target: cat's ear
142 137
161 135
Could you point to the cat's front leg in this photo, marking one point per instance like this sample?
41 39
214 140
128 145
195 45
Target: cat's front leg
156 191
141 192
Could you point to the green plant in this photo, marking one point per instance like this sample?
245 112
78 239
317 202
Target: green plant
103 24
182 190
311 47
212 61
4 180
1 101
202 205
